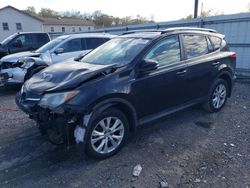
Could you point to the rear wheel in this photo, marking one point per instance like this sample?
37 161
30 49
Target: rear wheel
217 96
106 133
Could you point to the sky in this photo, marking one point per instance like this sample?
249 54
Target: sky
160 10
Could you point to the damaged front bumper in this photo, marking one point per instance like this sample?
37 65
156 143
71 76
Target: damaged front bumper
12 76
62 125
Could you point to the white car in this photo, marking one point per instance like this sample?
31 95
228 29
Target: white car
62 48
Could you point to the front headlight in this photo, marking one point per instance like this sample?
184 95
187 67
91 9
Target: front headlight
53 100
28 64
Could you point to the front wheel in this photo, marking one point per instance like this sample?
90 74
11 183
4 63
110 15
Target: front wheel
217 96
106 133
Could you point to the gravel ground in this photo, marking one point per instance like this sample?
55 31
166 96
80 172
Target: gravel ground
191 148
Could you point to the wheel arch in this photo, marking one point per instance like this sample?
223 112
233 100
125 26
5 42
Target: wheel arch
226 75
121 104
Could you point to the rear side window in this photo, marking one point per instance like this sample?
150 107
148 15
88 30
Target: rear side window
41 39
92 43
216 42
72 45
167 51
195 45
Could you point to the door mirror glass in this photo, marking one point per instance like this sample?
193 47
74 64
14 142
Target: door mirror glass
148 65
59 51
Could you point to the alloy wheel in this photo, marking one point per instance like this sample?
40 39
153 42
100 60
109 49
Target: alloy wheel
107 135
219 96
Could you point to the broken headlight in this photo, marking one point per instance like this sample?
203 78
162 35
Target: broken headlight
53 100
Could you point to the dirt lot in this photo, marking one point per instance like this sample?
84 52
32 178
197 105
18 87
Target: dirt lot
191 148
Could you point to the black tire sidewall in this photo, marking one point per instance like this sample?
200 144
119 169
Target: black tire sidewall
96 117
214 86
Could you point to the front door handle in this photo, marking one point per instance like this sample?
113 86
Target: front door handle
181 72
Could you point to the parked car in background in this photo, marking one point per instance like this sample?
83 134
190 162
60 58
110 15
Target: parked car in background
129 81
23 41
14 67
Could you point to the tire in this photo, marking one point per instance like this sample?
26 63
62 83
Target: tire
216 94
30 73
114 140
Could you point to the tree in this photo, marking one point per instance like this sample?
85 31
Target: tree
189 17
71 14
205 13
210 12
248 7
98 18
30 10
47 12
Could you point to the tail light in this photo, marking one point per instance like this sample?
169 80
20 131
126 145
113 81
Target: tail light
233 56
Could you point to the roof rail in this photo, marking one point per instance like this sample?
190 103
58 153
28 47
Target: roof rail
188 29
162 31
141 31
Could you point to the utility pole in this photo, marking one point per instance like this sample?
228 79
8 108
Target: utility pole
196 4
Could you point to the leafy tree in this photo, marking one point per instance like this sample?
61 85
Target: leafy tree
98 18
30 10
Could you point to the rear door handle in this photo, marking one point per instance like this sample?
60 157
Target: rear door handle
181 72
216 63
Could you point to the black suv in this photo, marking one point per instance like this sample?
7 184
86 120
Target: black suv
130 80
24 41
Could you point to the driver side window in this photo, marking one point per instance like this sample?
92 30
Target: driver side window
167 51
22 41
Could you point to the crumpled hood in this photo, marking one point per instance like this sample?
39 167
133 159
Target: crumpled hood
14 57
63 75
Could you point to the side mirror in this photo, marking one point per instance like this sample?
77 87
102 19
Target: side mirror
59 51
148 65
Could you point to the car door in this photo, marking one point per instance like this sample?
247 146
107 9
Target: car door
200 64
21 43
70 49
158 91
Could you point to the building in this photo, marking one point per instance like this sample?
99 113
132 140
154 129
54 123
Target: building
68 25
13 20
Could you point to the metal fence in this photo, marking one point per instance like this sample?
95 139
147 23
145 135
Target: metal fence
236 28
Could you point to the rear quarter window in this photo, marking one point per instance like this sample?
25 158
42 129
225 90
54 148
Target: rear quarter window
195 45
216 42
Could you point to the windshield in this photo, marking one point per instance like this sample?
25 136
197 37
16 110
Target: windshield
116 51
5 41
50 45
